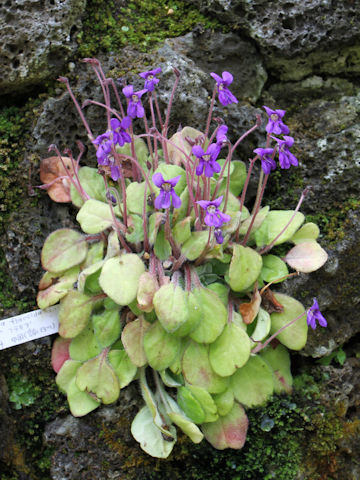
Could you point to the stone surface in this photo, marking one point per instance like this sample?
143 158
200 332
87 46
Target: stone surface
289 26
37 38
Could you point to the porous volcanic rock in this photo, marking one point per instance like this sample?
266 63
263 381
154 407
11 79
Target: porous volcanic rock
37 38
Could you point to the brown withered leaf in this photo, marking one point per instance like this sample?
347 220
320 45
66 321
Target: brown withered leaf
269 302
51 171
250 310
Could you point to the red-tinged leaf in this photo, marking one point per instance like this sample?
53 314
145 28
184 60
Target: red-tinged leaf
60 353
53 174
306 257
250 310
228 431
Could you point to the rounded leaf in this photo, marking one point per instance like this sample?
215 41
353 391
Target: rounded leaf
253 384
213 319
306 257
197 369
132 338
294 336
160 347
120 276
228 431
274 223
74 314
231 350
63 249
245 267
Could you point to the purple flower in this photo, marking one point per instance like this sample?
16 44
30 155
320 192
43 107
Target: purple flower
167 192
275 123
286 158
221 137
314 315
267 162
214 217
207 160
104 155
120 136
218 236
104 142
150 78
135 108
225 96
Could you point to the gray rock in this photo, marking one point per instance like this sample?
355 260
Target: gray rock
37 38
289 26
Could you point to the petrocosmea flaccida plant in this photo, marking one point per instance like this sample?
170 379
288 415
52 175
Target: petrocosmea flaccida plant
168 284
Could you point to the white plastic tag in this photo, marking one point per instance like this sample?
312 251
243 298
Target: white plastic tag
28 326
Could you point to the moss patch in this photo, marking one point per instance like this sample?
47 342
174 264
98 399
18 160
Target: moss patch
143 23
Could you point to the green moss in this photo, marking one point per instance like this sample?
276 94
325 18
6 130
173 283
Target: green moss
333 223
143 23
35 401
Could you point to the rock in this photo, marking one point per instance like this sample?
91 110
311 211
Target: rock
336 288
297 39
37 39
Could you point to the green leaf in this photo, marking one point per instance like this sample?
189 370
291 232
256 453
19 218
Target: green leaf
306 257
206 402
171 307
231 350
84 345
194 246
228 431
132 338
260 217
279 360
119 277
274 223
123 367
160 347
53 286
107 327
148 286
295 336
66 374
96 376
80 403
273 268
253 384
245 267
95 216
150 437
92 183
95 254
263 325
197 369
88 281
179 418
195 314
224 401
221 290
214 316
135 197
136 229
113 246
162 247
63 249
237 177
74 314
190 405
182 231
309 231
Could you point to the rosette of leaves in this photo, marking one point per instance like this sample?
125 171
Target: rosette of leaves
149 296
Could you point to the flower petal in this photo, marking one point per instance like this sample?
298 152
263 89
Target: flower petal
158 179
128 90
